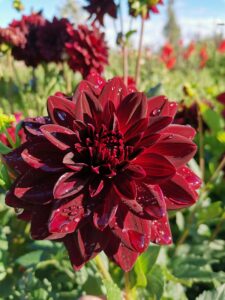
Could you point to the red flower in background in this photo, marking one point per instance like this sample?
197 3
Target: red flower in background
29 26
168 56
51 39
87 49
100 8
115 164
12 132
221 47
204 57
189 51
12 37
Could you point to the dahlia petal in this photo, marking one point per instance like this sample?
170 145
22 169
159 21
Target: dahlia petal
69 184
61 137
106 211
86 102
133 231
131 109
32 125
121 255
97 81
125 187
151 199
193 180
159 106
135 130
12 201
157 123
39 224
135 171
15 161
183 130
160 232
157 167
65 217
91 241
148 140
96 186
61 111
70 242
35 187
37 163
114 91
178 149
178 192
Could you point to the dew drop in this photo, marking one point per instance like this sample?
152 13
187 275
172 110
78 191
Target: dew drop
156 112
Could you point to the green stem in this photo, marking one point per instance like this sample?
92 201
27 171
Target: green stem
138 64
102 269
128 294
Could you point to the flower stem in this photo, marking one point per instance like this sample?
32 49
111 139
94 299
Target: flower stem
124 47
138 64
102 269
128 294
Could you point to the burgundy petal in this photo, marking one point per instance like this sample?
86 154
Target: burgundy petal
160 106
131 110
39 225
160 232
135 171
179 193
65 217
61 137
61 111
114 91
157 167
178 149
35 187
185 131
69 184
125 187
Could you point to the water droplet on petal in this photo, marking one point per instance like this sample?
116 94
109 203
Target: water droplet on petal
156 112
138 240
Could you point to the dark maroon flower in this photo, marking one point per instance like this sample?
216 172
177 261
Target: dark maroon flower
51 39
12 37
221 99
29 26
187 115
100 8
115 164
87 49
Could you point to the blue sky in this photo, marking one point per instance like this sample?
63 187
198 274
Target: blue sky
196 17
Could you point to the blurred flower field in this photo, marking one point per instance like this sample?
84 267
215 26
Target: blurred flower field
102 190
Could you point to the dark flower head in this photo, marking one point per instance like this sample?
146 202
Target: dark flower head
12 37
115 164
143 7
87 49
51 39
29 26
100 8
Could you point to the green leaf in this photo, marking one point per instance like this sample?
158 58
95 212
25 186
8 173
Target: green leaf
112 290
30 259
207 214
217 294
4 149
212 119
154 91
144 264
130 33
156 282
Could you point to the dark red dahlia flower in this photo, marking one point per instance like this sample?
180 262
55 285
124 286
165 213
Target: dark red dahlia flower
87 49
29 26
12 37
51 39
221 99
113 167
100 8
